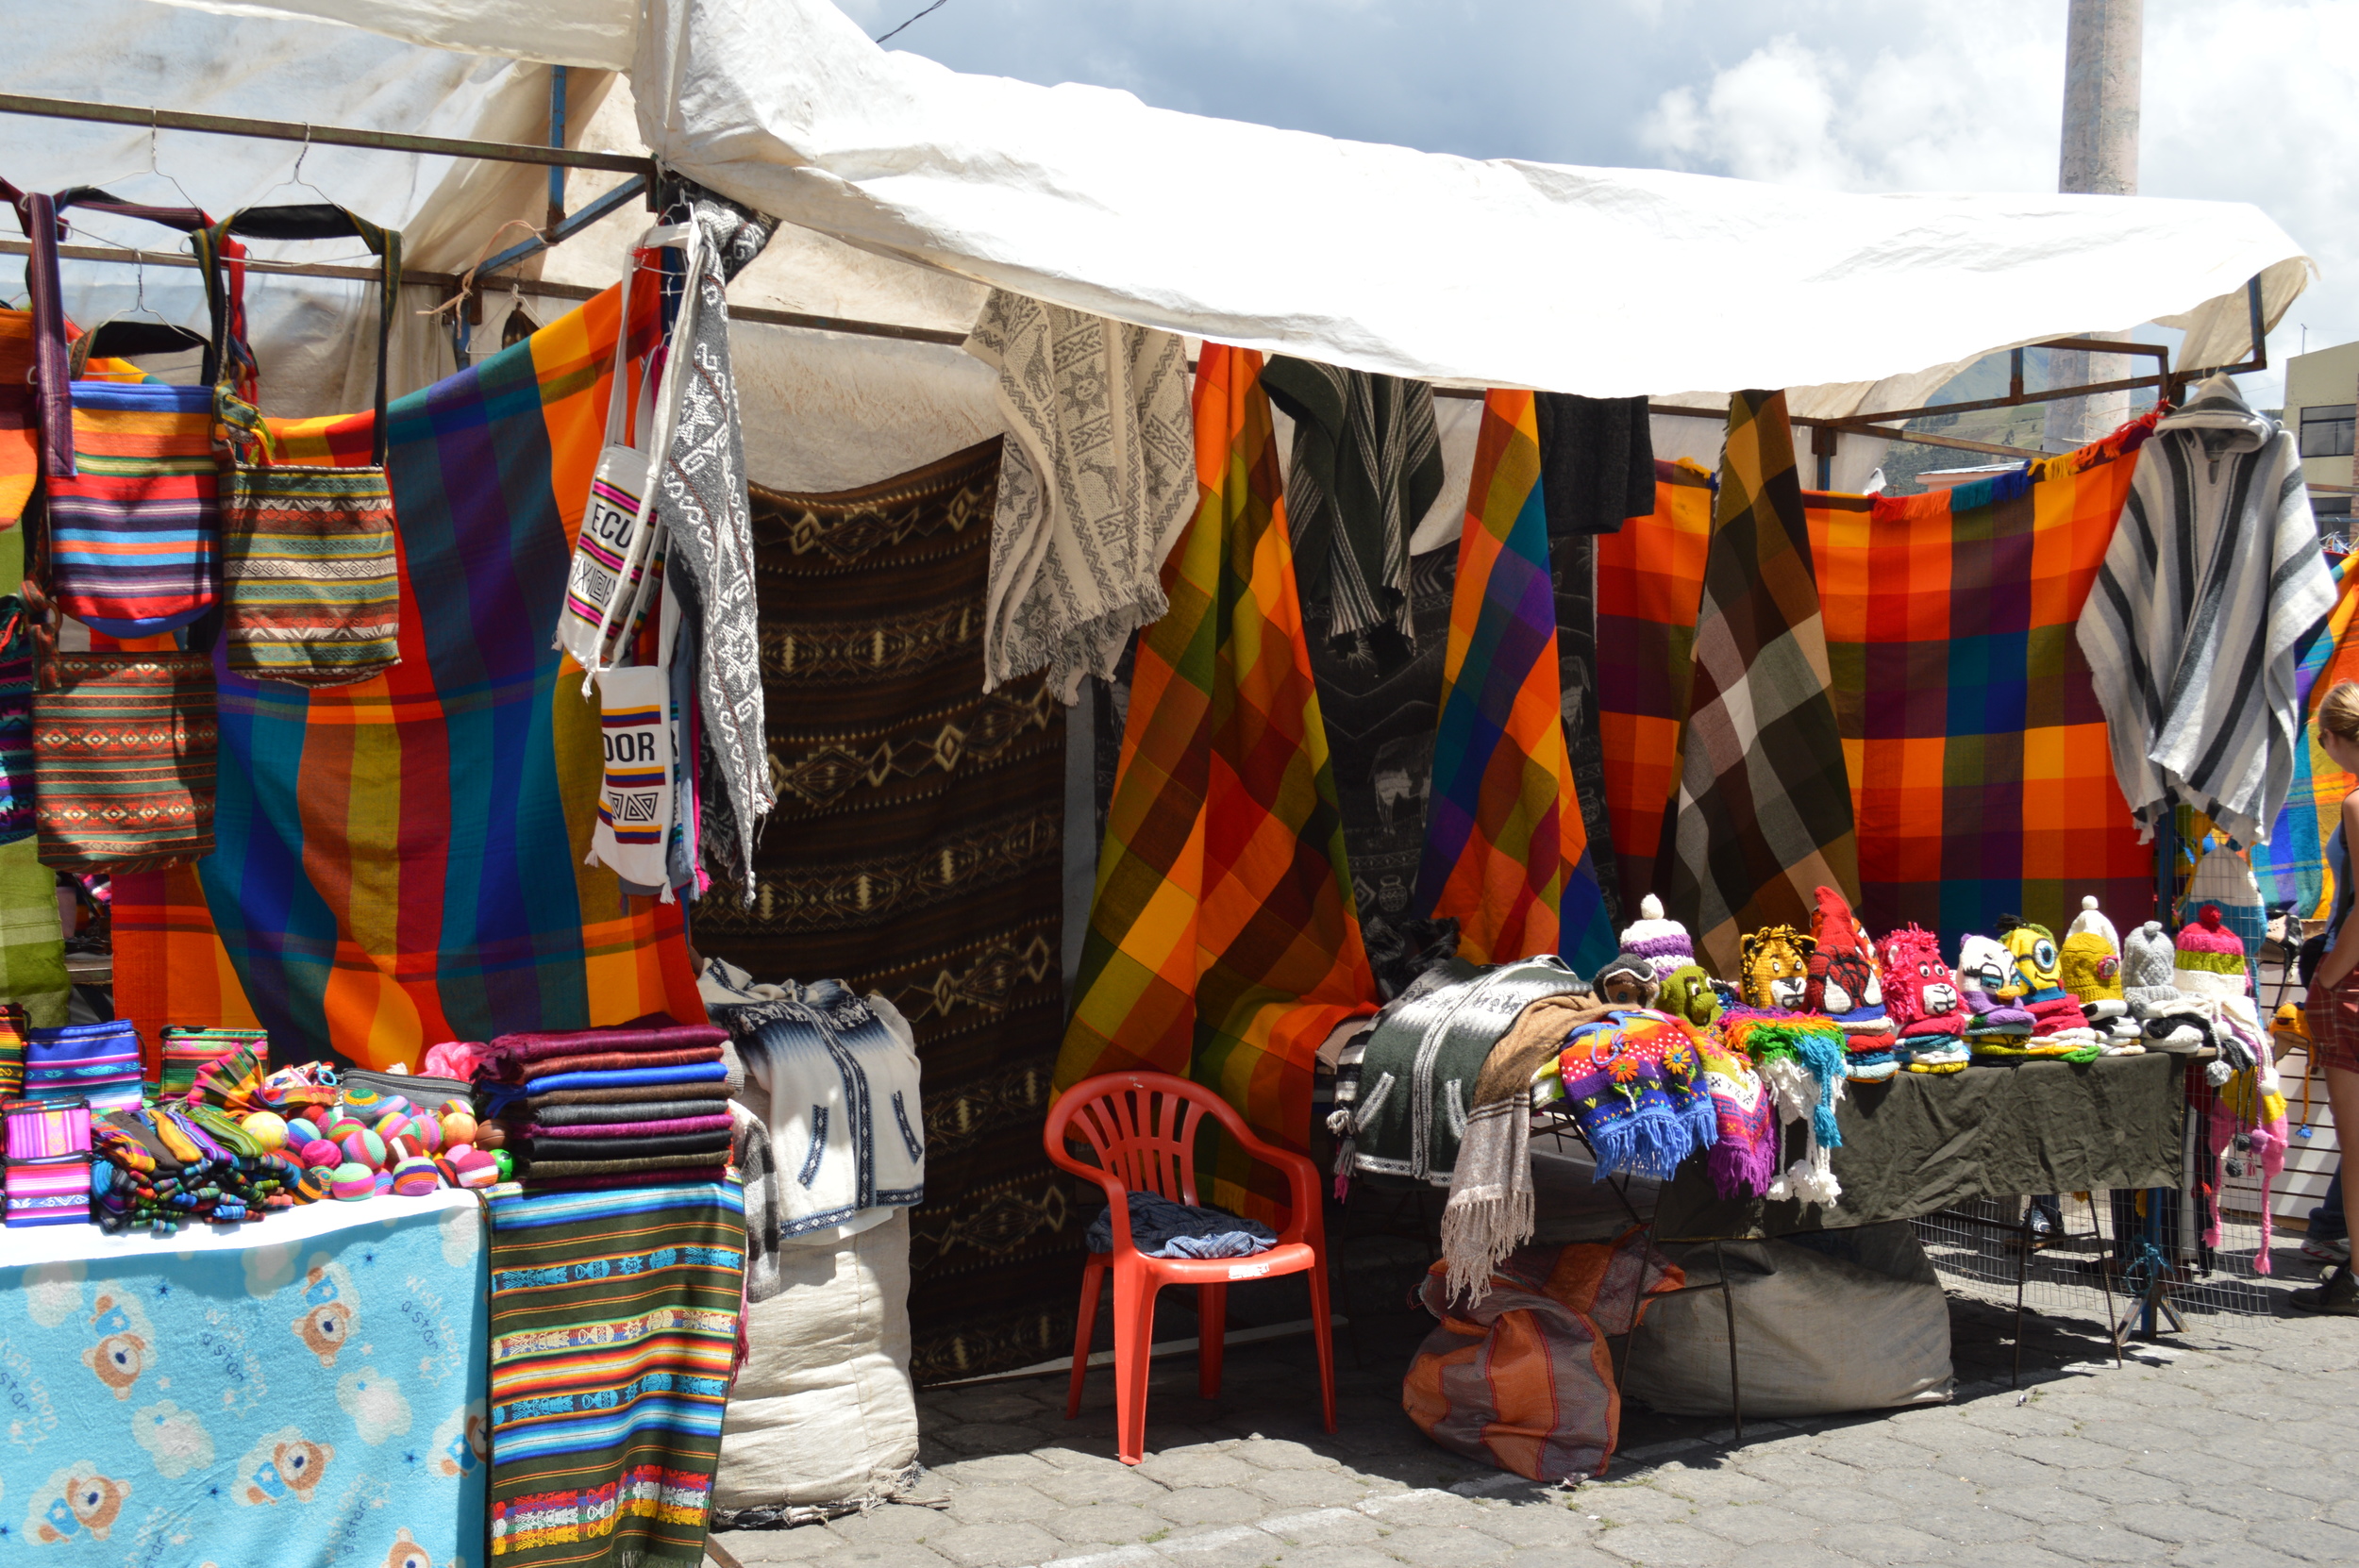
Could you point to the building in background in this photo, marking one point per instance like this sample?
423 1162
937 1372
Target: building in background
2321 402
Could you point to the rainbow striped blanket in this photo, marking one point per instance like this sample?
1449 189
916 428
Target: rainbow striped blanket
400 861
1223 942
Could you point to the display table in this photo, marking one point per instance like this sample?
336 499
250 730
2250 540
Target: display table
1923 1142
304 1389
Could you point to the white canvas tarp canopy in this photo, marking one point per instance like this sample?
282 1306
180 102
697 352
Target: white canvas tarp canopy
1609 282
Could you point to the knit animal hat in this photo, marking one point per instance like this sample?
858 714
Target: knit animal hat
2209 961
2145 967
1918 982
1687 994
1844 982
1984 965
1776 961
2038 975
2090 959
1651 936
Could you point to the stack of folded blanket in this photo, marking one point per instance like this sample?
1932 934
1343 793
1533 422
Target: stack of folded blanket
640 1104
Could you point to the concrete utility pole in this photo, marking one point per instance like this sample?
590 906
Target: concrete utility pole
2104 41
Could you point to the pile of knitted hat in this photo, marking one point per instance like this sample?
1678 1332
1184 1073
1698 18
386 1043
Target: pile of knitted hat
1927 1012
2059 1027
377 1143
1844 983
2089 964
2192 993
1994 1025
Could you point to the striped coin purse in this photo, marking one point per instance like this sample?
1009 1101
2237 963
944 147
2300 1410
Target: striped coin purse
99 1061
46 1129
56 1191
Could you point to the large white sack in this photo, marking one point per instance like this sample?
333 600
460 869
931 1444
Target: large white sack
823 1411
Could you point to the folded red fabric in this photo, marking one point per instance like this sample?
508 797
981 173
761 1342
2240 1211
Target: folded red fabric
574 1042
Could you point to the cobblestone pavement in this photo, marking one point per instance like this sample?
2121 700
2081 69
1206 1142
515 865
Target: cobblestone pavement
2236 1444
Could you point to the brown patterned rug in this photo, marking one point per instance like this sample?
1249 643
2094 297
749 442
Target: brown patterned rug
916 850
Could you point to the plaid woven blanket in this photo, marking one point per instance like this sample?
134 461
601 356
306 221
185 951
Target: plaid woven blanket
1976 751
1223 943
1764 805
1506 852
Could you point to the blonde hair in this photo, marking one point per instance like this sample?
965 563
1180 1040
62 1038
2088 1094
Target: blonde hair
2338 711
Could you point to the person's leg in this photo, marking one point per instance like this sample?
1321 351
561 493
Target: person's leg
2338 1294
2328 1238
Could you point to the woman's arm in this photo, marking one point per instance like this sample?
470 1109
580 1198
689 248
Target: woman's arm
2344 956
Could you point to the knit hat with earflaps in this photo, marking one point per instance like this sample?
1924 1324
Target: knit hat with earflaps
1651 936
2146 969
2210 957
2090 961
1630 980
1845 983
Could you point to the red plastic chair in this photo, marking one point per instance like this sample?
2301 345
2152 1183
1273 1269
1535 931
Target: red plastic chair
1143 1128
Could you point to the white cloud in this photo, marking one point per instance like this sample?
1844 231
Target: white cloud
2245 100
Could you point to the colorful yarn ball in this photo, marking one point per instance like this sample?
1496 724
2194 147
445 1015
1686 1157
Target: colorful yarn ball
301 1130
382 1181
266 1128
320 1155
459 1125
364 1147
416 1177
352 1182
474 1168
452 1151
447 1106
312 1185
343 1126
404 1147
443 1168
427 1131
391 1124
363 1101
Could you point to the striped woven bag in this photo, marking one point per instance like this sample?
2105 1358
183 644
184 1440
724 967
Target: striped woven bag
310 566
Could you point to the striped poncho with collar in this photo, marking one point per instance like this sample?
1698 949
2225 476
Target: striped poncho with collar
2214 584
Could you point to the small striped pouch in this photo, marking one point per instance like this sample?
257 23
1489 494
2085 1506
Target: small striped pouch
190 1056
310 569
13 1033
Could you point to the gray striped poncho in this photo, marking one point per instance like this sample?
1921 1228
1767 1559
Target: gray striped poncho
2212 586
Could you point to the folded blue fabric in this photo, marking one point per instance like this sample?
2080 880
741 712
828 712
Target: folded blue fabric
627 1077
1162 1228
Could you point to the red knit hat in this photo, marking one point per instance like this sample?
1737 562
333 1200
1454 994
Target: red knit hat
1844 954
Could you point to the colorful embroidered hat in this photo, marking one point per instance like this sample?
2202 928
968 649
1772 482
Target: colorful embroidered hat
1985 966
2033 949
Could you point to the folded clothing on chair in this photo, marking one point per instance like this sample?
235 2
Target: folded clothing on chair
1162 1228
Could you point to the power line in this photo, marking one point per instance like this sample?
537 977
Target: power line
928 12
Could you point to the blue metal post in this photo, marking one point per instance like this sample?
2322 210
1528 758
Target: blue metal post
556 139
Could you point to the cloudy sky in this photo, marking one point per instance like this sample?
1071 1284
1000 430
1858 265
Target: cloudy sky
2246 100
